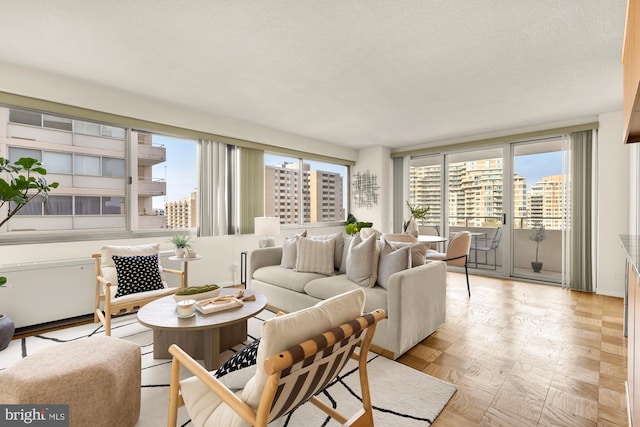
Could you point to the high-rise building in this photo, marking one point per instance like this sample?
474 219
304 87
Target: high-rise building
546 201
181 213
322 194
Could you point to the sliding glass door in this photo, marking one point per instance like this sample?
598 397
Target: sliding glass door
539 201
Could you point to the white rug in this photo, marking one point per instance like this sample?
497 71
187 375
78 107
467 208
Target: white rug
401 396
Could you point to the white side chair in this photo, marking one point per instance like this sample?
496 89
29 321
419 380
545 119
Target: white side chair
107 281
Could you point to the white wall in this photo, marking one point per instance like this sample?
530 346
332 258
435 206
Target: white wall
613 182
61 89
376 161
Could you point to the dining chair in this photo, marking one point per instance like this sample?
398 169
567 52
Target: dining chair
457 253
486 245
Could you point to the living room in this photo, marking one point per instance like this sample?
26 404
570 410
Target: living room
23 80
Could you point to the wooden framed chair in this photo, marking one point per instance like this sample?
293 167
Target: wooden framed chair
107 283
457 253
318 347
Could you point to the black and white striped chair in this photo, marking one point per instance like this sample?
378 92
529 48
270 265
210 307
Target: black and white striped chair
299 354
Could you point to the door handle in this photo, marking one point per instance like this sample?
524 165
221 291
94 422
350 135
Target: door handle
504 219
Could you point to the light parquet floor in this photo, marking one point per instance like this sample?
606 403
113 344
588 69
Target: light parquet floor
525 354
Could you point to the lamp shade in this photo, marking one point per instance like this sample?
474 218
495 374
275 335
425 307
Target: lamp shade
267 227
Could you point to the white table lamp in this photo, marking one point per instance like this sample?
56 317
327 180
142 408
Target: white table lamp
267 227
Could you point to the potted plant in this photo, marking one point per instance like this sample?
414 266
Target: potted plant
417 214
537 234
182 244
353 225
24 181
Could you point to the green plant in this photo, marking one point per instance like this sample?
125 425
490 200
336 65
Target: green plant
181 241
537 234
417 213
193 290
353 225
24 182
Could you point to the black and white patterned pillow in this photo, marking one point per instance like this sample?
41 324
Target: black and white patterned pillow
239 368
137 273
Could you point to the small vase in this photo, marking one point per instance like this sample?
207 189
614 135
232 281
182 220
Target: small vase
537 266
7 328
180 252
412 228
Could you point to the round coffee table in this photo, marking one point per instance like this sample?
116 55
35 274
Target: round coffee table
202 336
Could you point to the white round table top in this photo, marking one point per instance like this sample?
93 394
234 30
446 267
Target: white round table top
175 258
426 238
161 313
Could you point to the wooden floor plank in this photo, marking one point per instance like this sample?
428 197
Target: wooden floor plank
527 354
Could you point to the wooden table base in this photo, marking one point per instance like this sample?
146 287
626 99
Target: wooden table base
203 345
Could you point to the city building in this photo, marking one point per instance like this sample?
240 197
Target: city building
182 213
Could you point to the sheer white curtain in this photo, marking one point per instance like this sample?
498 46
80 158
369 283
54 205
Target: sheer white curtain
213 197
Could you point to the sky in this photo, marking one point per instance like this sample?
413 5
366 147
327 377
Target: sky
181 169
536 166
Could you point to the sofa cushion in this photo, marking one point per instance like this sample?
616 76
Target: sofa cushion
362 261
289 250
339 246
328 287
392 260
418 251
284 277
315 256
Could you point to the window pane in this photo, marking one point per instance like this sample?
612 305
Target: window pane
282 188
113 132
34 207
324 194
86 128
17 153
57 162
86 165
57 123
87 205
112 167
425 182
58 205
112 205
25 117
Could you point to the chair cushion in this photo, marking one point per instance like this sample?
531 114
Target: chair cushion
315 256
108 267
137 273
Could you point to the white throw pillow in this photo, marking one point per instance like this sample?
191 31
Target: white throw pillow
392 260
289 252
418 251
362 261
348 238
339 247
315 256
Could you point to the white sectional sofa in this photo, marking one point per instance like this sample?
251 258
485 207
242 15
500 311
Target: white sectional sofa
414 298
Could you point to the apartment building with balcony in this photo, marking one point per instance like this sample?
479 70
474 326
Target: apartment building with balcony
182 213
87 159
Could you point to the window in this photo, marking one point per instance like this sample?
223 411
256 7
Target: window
302 191
90 161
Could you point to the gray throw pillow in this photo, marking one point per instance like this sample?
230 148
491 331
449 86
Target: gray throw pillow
315 256
392 260
289 251
362 261
339 247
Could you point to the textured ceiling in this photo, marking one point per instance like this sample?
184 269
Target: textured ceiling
356 73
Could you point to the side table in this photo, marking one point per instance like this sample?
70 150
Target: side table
185 266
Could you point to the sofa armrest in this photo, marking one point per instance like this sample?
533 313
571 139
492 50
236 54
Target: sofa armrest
417 302
261 258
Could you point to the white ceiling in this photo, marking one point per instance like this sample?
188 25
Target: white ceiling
357 73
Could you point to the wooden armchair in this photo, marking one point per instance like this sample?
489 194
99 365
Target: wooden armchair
322 341
107 281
